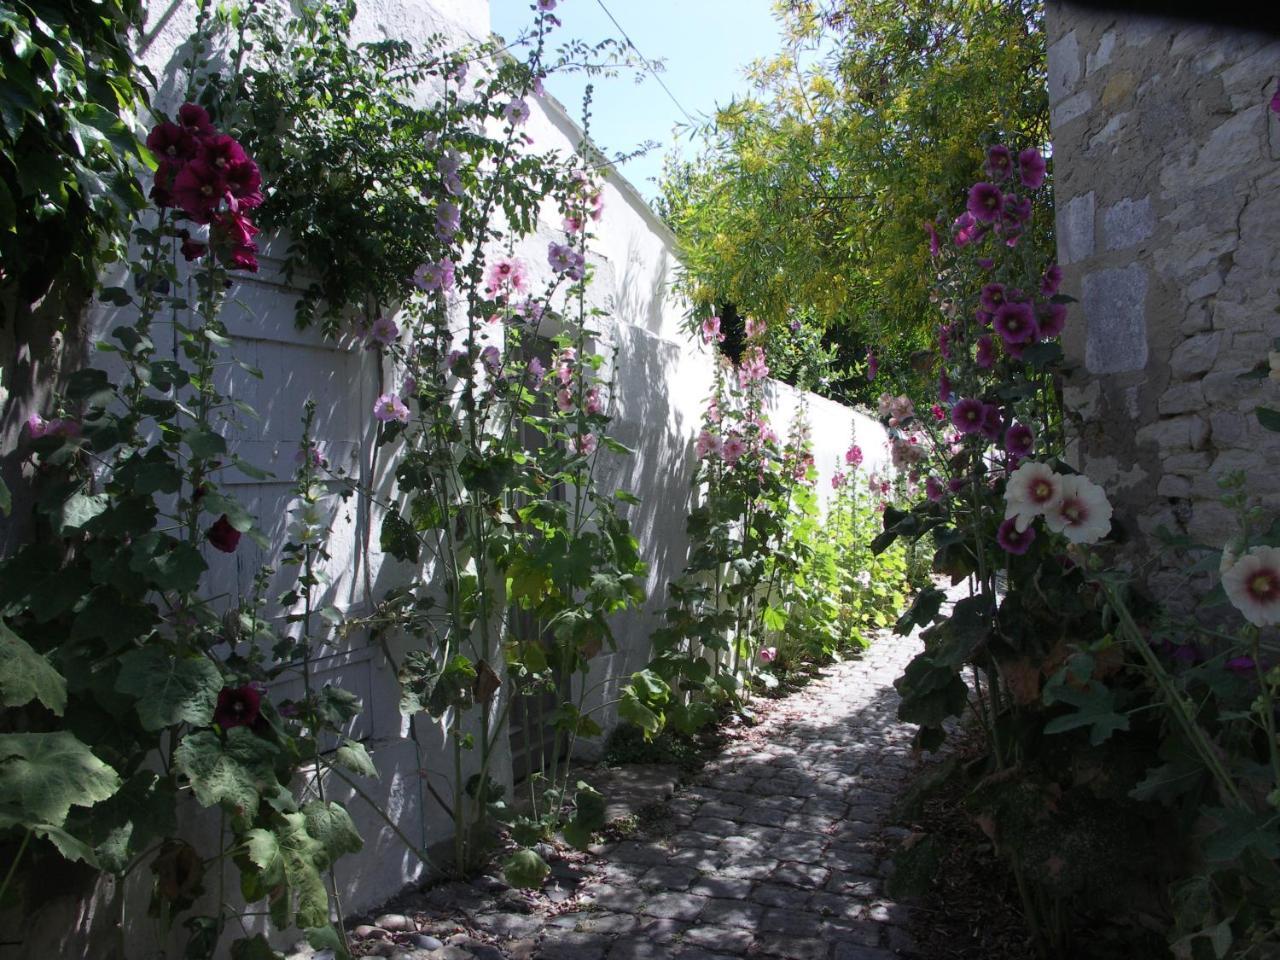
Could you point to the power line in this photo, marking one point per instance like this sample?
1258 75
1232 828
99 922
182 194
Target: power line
647 65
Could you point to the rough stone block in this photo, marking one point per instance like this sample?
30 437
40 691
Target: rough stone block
1174 487
1074 106
1063 67
1188 464
1101 56
1127 223
1206 286
1182 398
1075 229
1199 318
1114 304
1175 435
1195 355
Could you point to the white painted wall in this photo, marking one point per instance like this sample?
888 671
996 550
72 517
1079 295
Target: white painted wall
663 379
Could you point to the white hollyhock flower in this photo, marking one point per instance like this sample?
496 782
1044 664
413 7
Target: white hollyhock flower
1032 489
1253 586
1083 515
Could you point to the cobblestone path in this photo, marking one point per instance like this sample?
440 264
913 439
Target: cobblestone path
775 850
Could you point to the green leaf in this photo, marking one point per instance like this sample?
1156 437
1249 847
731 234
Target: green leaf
1241 830
1269 418
79 509
42 775
256 947
71 848
353 756
170 690
26 675
292 858
589 806
6 499
232 772
630 708
525 870
398 538
327 938
1095 709
923 610
203 443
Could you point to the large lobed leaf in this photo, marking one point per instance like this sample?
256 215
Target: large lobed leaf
42 775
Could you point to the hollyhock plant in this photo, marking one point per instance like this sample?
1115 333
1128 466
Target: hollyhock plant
985 354
711 332
838 479
1083 513
755 328
516 112
383 332
564 400
585 444
591 401
768 654
1015 322
986 202
966 230
992 296
223 536
935 245
733 449
1033 489
390 407
435 277
198 189
933 488
537 372
708 445
999 162
1031 168
992 425
966 415
238 707
873 365
1252 584
448 220
1051 320
1014 540
505 275
1019 440
853 456
1051 281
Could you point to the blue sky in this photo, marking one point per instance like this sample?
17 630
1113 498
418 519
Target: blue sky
706 45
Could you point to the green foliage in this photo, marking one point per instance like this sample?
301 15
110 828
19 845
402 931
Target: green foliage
43 774
26 675
867 126
68 156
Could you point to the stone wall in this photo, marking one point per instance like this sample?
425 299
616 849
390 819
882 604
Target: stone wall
1167 186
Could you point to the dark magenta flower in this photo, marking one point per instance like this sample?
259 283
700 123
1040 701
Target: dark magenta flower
986 202
1015 322
238 707
1019 440
985 355
1051 280
992 422
999 162
195 119
944 387
223 535
1243 666
934 246
1031 168
1013 540
966 416
244 183
193 249
1017 210
171 143
933 489
198 189
992 296
986 263
232 234
965 230
956 485
1051 318
944 342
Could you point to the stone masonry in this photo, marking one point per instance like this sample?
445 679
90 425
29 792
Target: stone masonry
1166 162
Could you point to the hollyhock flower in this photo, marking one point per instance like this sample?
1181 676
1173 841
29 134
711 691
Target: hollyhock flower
491 357
966 415
733 449
1017 211
243 258
546 6
172 143
982 316
507 273
992 422
1015 322
873 365
1014 540
435 277
986 263
956 485
454 358
1032 489
193 249
709 444
711 331
592 402
999 162
944 387
992 296
564 373
755 328
448 220
753 367
223 535
966 230
985 355
195 120
935 246
198 189
390 407
1253 586
853 456
311 454
449 162
944 342
585 444
516 112
933 489
537 372
838 480
1051 318
384 332
1083 515
596 202
37 426
1031 168
564 400
1051 280
562 258
1019 440
573 224
768 654
1242 666
986 202
238 707
938 413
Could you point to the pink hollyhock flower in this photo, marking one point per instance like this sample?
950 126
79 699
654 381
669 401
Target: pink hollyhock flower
435 277
935 246
711 330
596 202
546 6
172 143
592 401
238 707
938 413
568 354
537 372
1083 515
384 332
198 189
985 355
853 456
933 489
992 297
562 258
966 230
755 328
1051 280
1252 585
733 449
1013 540
573 223
193 249
1019 440
713 412
838 480
753 367
516 112
390 407
312 455
448 220
768 654
1031 168
1051 318
564 373
505 274
956 485
999 162
491 357
986 202
1015 322
966 415
564 400
873 365
37 426
223 535
709 444
585 444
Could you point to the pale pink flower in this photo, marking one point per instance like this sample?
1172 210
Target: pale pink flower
733 449
564 401
390 407
505 275
383 332
711 331
585 444
1252 585
1083 514
592 401
768 654
1032 489
755 328
838 479
709 444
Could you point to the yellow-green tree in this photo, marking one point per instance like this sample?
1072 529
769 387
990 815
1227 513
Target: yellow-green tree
812 192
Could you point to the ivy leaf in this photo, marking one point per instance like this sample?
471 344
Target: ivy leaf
26 675
232 772
42 775
170 690
353 756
